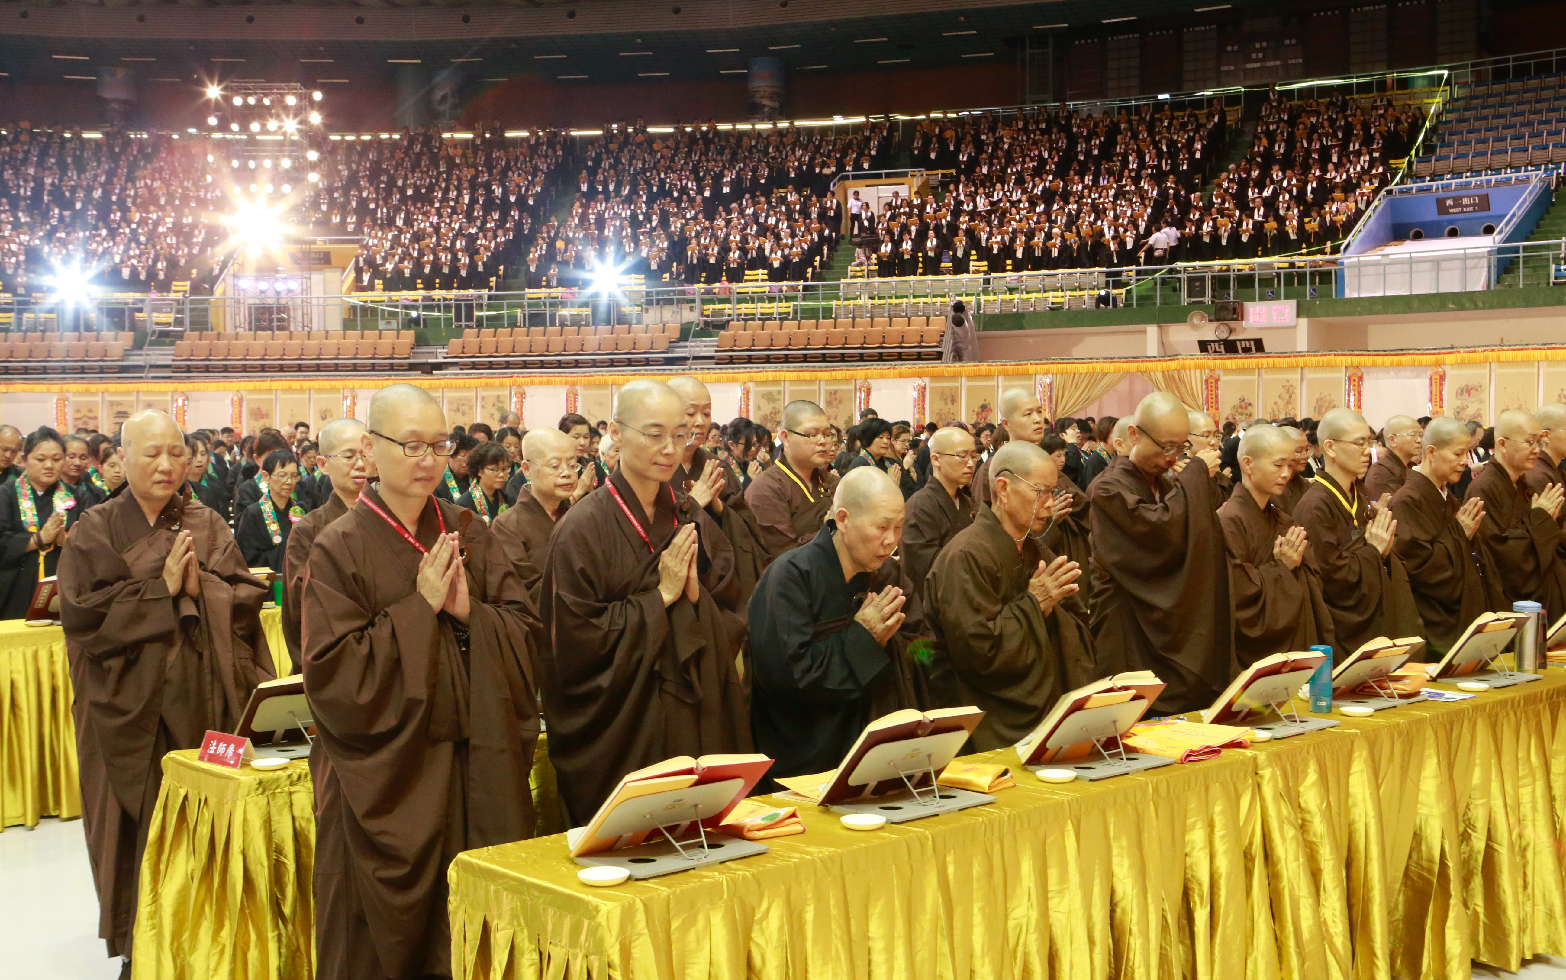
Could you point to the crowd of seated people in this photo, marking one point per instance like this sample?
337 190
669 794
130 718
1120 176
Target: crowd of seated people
136 213
436 213
1057 190
703 206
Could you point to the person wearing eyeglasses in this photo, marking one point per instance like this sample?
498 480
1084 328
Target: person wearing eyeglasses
263 529
345 469
1022 417
1350 539
1552 452
1273 582
792 498
156 603
419 641
1400 437
1010 624
638 605
1160 574
935 514
454 482
1520 530
490 467
1451 575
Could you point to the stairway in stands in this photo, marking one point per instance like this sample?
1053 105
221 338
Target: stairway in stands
1240 139
1551 228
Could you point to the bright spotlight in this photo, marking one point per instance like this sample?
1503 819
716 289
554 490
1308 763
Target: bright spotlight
314 177
252 164
315 117
251 100
290 126
266 100
234 127
316 96
234 163
212 120
213 92
71 285
209 158
238 100
287 189
271 125
291 100
605 279
256 226
286 163
255 127
312 156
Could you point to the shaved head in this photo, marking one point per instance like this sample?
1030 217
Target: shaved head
951 440
149 425
865 487
1265 440
645 398
1443 433
1399 424
1118 437
340 434
1022 416
801 413
541 444
1023 459
391 404
1161 426
1552 416
1515 424
1014 400
1162 409
1342 423
1200 421
691 389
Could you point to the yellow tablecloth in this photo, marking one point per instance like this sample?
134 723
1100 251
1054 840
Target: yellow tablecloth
226 889
1403 844
38 775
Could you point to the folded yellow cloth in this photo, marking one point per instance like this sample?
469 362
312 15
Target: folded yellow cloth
976 778
757 821
1187 741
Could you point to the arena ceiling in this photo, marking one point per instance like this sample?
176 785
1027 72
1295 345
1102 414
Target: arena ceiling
589 41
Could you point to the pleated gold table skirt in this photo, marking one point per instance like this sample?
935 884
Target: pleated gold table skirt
1401 845
38 776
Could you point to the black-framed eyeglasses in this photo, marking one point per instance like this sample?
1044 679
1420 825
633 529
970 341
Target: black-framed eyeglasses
825 435
416 448
1039 492
1183 447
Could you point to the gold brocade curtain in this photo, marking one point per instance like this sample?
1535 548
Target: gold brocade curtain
1184 383
1074 392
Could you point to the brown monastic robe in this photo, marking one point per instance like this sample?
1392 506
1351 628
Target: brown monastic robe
1292 494
1276 609
787 515
1072 536
1545 472
1367 595
1452 579
295 560
1387 474
931 518
524 532
1161 582
1521 540
151 673
1008 657
737 522
425 737
628 682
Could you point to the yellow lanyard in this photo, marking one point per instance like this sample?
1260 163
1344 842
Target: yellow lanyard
1354 510
808 495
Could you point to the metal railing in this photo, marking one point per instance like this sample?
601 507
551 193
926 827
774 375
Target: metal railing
1491 268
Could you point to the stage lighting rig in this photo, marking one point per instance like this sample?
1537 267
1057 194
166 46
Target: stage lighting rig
265 124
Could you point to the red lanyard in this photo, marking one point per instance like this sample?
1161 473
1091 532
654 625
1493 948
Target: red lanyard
634 522
397 525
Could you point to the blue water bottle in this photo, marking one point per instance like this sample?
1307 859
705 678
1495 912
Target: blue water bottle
1321 683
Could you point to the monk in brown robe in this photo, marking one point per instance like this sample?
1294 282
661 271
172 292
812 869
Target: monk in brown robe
1068 525
1400 444
791 498
1350 541
418 663
163 629
1022 417
1205 435
943 506
1160 575
345 462
1275 587
640 660
717 489
833 631
1005 608
553 485
1452 579
1521 531
1298 463
1547 468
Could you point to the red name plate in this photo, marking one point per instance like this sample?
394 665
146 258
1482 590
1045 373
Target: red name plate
223 750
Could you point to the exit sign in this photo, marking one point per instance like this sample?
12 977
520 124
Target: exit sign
1277 313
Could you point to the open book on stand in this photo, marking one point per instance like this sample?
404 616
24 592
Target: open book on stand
1262 696
1082 731
1481 646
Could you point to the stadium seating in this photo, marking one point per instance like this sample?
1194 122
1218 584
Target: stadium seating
563 347
300 350
51 352
865 338
1498 126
